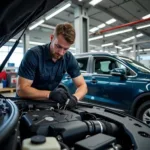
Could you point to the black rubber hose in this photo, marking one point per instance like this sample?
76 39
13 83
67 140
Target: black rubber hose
64 146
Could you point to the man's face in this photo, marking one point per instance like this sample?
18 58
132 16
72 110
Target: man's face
59 47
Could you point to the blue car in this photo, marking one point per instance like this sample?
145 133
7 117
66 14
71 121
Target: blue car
115 81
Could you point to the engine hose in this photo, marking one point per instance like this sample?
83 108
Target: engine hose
64 146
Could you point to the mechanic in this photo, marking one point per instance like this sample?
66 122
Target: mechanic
43 67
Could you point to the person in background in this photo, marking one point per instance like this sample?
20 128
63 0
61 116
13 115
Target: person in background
43 67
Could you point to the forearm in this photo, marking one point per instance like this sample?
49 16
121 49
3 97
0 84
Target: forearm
32 93
81 91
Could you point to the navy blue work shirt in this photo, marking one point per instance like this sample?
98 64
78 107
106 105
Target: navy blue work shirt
38 66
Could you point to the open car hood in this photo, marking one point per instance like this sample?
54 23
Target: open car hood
15 15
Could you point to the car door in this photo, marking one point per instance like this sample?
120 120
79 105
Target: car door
84 69
107 89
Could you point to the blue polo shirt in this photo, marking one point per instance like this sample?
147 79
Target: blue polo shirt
37 65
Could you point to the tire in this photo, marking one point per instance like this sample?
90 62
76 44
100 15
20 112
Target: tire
143 112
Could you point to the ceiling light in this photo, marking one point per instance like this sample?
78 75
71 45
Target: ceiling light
144 26
36 24
118 32
105 45
113 52
118 47
128 39
36 43
125 49
95 38
72 48
147 16
94 2
93 29
101 25
146 49
68 4
111 21
93 51
80 0
139 35
101 51
121 53
14 40
47 26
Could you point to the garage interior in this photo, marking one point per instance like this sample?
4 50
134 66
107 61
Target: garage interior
115 33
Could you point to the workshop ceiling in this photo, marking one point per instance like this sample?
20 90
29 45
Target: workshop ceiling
123 11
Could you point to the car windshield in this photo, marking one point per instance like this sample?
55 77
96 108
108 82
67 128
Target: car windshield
136 64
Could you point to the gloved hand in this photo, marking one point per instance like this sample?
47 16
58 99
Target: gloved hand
73 101
59 95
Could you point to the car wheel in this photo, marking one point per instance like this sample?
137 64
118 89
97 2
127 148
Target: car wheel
143 112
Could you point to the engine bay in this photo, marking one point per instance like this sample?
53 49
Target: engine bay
86 127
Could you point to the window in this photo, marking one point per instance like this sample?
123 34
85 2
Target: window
15 58
104 65
82 64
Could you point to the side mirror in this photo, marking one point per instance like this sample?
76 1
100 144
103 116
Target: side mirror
118 72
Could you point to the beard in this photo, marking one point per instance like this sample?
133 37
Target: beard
56 55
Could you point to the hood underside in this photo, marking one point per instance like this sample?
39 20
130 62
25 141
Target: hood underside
15 15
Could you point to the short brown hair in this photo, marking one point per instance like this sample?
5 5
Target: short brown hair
67 30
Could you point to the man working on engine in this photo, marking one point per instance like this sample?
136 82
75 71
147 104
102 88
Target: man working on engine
43 67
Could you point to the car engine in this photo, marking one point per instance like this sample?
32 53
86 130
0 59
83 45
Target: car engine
42 125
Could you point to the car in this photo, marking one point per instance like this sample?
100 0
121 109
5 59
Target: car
115 81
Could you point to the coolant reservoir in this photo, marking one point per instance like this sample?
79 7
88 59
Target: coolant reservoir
40 143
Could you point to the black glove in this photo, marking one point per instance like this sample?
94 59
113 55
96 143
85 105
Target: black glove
73 101
59 95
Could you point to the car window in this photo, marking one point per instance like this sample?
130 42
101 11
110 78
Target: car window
128 71
104 65
82 62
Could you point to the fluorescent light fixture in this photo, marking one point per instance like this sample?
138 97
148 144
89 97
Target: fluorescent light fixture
105 45
36 43
145 17
47 26
113 52
125 49
36 24
72 48
30 42
101 25
147 49
118 32
139 35
14 40
144 26
101 51
128 39
137 51
111 21
121 53
95 38
93 51
68 4
118 47
93 29
94 2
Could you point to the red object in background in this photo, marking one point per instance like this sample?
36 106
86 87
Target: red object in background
3 75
